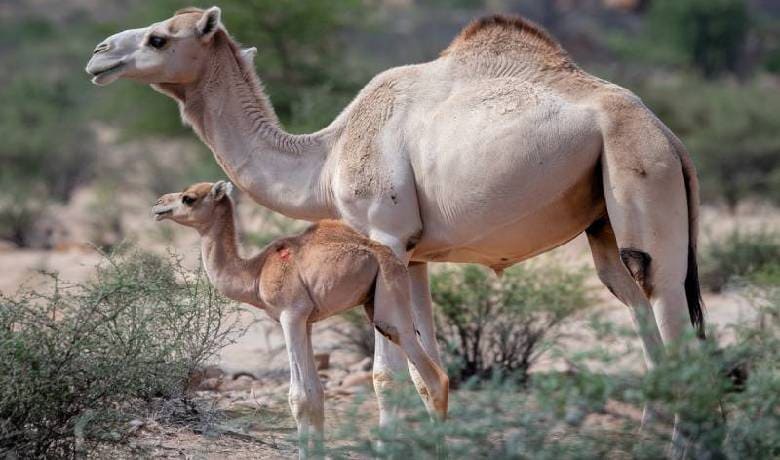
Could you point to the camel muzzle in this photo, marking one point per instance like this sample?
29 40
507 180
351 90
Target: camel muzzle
162 211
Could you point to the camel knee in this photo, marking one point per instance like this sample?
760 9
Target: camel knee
305 407
435 395
638 264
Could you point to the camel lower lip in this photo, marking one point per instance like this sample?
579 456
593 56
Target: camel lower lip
107 70
162 215
104 76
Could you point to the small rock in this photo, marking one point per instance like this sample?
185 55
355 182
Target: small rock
364 364
135 425
357 379
242 383
212 372
322 360
210 384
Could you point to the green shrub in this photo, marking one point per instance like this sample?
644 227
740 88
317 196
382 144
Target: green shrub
81 358
488 326
740 255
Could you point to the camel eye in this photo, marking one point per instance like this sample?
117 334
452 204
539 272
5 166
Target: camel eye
188 200
156 42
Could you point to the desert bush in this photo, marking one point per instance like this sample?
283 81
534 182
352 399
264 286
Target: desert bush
739 255
503 325
355 333
20 210
80 358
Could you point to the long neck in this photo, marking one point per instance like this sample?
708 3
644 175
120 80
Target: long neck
233 116
232 275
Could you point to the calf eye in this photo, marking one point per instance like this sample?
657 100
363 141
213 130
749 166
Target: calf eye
188 200
156 42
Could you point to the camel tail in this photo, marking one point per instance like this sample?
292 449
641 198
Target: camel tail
692 287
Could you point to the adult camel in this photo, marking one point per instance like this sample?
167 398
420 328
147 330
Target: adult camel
498 150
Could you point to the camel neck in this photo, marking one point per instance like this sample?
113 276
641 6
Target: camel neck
232 275
233 116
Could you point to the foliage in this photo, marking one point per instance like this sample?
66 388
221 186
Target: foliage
491 326
76 361
47 147
710 34
20 209
587 412
356 333
739 255
730 131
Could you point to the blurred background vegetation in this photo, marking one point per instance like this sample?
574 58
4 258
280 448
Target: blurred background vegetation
76 161
709 68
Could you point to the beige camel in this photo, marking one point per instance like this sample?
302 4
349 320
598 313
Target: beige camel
500 149
303 279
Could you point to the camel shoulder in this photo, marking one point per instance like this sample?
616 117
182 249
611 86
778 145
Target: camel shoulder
363 121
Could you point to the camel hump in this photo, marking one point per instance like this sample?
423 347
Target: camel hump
501 34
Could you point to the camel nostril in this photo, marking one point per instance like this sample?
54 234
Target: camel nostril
101 48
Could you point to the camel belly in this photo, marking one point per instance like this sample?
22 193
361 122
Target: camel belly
502 242
498 187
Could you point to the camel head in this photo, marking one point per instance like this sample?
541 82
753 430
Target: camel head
195 206
173 51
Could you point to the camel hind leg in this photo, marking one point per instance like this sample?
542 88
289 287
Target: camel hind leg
650 195
617 277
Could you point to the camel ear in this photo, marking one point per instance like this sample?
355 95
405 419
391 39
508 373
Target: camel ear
208 24
248 55
220 190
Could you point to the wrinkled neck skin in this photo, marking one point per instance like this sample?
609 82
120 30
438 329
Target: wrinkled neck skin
233 276
231 114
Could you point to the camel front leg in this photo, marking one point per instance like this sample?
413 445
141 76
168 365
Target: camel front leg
393 319
306 393
422 313
390 363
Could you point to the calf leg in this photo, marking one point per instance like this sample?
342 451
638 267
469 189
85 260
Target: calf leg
306 393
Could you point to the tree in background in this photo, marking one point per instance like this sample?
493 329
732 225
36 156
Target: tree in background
710 34
47 148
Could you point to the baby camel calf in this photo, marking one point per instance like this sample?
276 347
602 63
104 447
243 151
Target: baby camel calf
302 279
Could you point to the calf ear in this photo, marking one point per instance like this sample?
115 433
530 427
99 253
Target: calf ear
248 55
220 190
208 24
